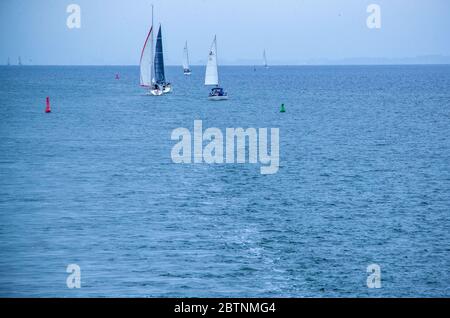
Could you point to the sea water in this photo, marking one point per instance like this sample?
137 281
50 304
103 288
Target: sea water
364 179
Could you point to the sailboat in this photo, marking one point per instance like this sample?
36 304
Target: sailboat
186 69
9 63
147 68
265 59
19 62
212 75
160 75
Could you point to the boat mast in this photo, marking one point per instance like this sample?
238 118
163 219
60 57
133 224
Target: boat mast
187 56
217 60
152 58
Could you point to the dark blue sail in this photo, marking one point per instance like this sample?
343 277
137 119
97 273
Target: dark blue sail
160 76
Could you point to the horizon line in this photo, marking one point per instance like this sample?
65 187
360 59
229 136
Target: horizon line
249 65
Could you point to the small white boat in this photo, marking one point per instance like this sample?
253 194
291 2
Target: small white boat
212 75
186 68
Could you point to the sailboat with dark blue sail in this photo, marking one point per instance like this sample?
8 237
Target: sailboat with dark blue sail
160 75
147 67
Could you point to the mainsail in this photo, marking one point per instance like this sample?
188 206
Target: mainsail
160 76
265 59
212 76
186 58
146 64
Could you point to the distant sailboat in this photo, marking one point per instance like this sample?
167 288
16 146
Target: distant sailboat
19 62
160 75
9 64
147 68
265 59
212 75
186 68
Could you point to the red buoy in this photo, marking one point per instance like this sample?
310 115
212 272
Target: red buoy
47 109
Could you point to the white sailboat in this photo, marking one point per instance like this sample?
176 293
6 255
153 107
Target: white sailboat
265 59
186 68
212 75
147 68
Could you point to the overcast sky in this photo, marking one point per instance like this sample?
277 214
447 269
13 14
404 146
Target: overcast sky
292 31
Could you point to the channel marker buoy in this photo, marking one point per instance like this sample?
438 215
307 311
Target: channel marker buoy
47 108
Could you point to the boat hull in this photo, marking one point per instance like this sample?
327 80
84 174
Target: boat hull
167 89
218 98
156 92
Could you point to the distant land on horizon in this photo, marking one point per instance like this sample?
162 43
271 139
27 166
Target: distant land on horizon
419 60
425 59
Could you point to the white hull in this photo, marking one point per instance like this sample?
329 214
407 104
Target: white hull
156 92
167 89
218 98
187 73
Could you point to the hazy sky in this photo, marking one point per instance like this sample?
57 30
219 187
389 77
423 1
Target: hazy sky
292 31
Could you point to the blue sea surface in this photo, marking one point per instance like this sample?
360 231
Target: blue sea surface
364 179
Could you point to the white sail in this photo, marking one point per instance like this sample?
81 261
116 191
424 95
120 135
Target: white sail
212 76
146 63
186 58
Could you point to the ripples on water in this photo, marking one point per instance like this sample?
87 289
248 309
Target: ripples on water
364 179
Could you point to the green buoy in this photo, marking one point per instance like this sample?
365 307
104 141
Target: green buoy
283 109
